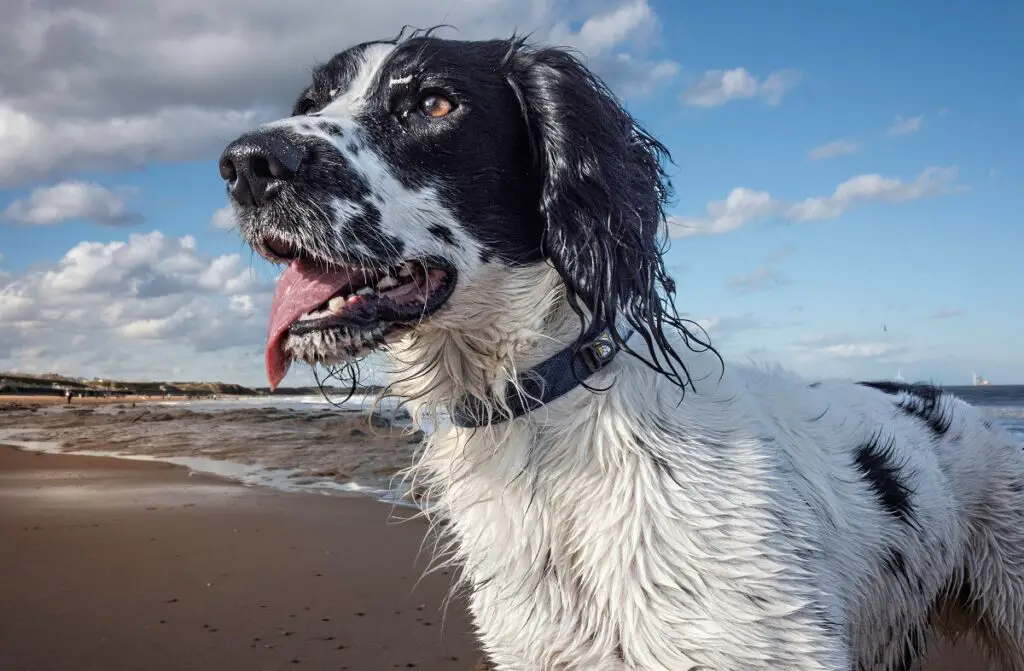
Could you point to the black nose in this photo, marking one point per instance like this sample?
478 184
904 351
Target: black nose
258 164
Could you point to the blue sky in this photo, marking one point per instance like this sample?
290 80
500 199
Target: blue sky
914 266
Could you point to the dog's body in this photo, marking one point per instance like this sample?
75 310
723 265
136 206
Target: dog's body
761 523
672 513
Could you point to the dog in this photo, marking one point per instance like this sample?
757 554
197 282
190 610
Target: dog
489 214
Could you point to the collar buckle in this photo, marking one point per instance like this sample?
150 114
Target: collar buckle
598 353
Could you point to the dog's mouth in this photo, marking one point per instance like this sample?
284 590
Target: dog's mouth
323 315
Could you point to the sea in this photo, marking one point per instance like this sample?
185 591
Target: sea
1004 403
292 443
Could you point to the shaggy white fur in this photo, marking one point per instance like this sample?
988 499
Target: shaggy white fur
756 522
759 522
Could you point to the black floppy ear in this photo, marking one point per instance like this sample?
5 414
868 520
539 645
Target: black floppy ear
603 194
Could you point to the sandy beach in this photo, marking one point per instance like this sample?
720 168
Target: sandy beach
112 564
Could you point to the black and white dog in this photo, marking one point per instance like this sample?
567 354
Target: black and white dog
618 499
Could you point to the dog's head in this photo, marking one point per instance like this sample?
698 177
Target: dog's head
412 169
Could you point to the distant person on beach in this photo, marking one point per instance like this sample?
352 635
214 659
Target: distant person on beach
67 395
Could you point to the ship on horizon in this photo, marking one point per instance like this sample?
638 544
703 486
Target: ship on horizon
979 381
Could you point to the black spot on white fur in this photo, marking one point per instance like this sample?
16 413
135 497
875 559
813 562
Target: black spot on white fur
874 460
365 227
443 233
922 401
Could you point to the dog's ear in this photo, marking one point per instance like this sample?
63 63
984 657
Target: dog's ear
602 196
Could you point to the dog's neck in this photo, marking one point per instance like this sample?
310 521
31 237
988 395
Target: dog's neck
505 325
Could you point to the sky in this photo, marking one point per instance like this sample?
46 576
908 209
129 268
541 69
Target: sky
848 176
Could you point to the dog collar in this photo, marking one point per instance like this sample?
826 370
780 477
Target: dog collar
543 383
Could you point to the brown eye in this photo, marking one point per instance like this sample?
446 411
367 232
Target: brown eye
435 106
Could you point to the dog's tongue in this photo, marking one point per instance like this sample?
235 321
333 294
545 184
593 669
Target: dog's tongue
300 289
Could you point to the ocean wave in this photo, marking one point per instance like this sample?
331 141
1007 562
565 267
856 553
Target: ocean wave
290 444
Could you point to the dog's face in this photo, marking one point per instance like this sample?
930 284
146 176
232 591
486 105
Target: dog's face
411 169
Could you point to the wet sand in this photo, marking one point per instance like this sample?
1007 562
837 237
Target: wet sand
111 564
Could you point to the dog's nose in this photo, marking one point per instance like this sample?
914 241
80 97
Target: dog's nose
258 164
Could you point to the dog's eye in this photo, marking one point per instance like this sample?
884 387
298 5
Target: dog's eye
435 106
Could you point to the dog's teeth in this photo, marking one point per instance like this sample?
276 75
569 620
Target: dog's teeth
387 283
405 270
336 304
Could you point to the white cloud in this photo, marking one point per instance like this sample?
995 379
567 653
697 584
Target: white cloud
71 201
902 126
778 84
721 327
151 306
857 350
636 77
633 20
833 149
739 208
99 85
847 352
744 206
933 181
717 87
224 218
34 147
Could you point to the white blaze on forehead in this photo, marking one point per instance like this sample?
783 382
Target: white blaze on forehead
353 97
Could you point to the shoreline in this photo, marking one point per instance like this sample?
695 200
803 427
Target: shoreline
54 399
290 447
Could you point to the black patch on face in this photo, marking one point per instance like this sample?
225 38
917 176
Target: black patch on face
443 233
365 227
477 157
875 462
918 400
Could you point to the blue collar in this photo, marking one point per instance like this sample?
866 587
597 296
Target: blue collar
548 380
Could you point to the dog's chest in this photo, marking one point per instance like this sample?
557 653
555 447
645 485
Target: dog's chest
571 547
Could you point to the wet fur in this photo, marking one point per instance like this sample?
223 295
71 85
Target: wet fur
677 513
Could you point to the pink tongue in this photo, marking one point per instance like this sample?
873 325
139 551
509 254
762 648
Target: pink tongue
300 289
